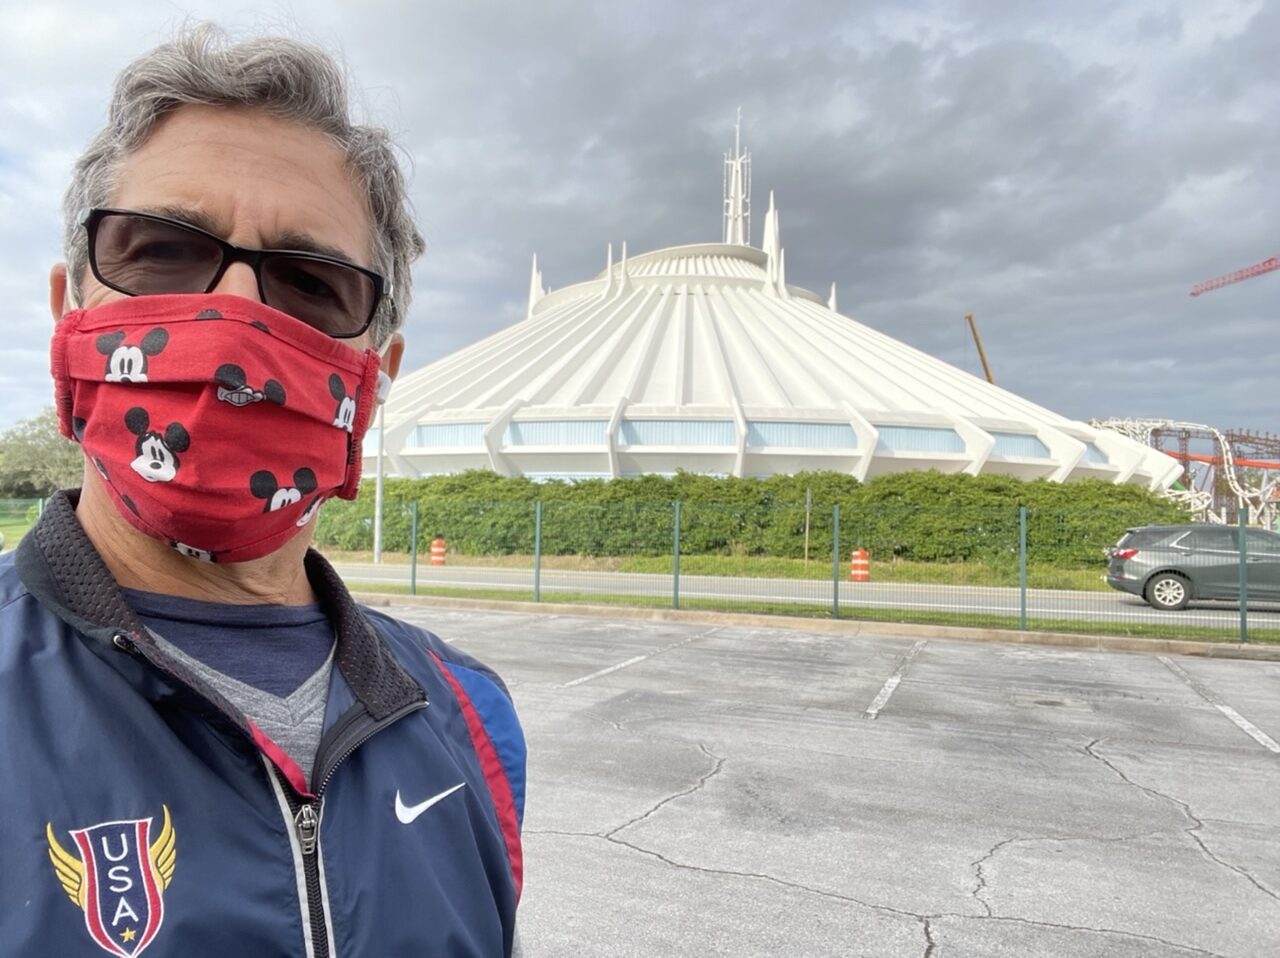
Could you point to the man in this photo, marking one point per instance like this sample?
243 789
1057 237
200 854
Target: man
206 748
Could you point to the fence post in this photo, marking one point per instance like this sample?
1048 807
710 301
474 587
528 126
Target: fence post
1244 576
1022 568
377 494
675 560
413 547
537 551
835 561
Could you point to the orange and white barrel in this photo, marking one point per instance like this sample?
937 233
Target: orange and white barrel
437 551
860 566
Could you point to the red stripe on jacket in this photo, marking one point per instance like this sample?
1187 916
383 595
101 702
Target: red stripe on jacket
494 773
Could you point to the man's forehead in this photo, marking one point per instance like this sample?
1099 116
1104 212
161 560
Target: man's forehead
252 178
221 225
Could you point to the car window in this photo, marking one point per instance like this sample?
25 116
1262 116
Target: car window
1137 538
1260 541
1217 540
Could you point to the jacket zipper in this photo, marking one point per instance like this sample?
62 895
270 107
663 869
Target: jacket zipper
344 738
346 735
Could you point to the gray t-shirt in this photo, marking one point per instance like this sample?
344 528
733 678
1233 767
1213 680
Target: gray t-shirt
272 662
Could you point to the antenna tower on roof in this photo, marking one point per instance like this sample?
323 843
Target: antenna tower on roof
737 191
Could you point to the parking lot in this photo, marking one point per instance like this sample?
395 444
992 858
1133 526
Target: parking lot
697 789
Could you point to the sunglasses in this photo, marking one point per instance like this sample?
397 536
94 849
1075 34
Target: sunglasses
141 254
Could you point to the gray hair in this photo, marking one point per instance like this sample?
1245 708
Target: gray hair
281 76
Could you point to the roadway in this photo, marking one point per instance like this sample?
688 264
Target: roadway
1057 604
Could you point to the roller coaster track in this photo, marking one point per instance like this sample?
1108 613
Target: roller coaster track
1261 499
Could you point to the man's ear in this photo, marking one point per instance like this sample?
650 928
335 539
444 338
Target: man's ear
58 300
392 353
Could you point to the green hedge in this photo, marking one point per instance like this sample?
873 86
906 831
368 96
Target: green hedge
924 516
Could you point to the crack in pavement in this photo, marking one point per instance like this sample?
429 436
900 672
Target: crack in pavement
929 943
758 876
695 787
1235 821
562 833
1190 949
1186 810
923 917
981 880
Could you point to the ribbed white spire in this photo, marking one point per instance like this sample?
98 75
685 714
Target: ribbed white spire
536 291
608 273
771 242
624 278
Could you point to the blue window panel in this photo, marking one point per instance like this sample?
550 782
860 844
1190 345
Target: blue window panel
802 435
449 434
568 432
1093 454
679 432
918 439
370 445
1016 445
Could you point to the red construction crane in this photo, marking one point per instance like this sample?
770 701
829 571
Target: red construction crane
1257 269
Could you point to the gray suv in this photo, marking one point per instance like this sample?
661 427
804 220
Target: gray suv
1170 566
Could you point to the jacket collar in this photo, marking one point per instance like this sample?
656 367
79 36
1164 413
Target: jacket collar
63 571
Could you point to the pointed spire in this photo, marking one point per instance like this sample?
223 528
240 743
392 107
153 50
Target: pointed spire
831 300
608 273
624 278
536 292
770 242
737 193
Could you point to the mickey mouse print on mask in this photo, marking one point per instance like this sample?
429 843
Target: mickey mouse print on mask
128 364
233 394
157 453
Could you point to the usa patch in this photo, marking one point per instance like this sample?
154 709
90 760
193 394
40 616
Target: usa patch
118 880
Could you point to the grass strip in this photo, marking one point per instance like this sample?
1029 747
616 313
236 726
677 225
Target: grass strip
13 530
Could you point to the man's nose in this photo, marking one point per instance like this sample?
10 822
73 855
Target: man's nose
239 280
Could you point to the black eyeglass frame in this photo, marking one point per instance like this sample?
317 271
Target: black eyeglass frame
253 258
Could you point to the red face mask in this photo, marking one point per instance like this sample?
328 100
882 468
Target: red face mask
219 425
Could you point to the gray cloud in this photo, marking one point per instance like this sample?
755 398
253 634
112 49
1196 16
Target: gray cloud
1066 175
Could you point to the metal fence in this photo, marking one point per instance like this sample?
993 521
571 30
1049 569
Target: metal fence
1013 568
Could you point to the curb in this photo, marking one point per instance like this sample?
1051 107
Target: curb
849 627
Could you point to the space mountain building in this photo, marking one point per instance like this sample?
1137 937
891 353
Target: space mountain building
704 358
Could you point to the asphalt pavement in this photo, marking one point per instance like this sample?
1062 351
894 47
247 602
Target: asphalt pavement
699 789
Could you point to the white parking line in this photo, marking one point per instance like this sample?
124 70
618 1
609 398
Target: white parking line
639 658
612 668
881 700
1242 723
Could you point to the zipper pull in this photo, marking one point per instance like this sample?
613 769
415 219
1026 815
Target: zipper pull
308 826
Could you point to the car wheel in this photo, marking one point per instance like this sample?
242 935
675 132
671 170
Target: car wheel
1168 591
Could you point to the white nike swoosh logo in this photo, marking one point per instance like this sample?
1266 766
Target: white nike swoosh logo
408 813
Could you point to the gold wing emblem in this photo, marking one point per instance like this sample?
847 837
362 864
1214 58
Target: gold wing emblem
68 868
164 851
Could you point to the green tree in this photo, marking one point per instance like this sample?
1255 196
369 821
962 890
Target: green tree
35 460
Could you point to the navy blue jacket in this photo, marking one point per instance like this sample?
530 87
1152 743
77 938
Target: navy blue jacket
140 812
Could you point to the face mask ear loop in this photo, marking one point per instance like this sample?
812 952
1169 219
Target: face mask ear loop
384 381
370 381
64 396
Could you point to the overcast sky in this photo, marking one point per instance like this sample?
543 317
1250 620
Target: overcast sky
1066 171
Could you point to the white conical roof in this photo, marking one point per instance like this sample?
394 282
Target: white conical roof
703 358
